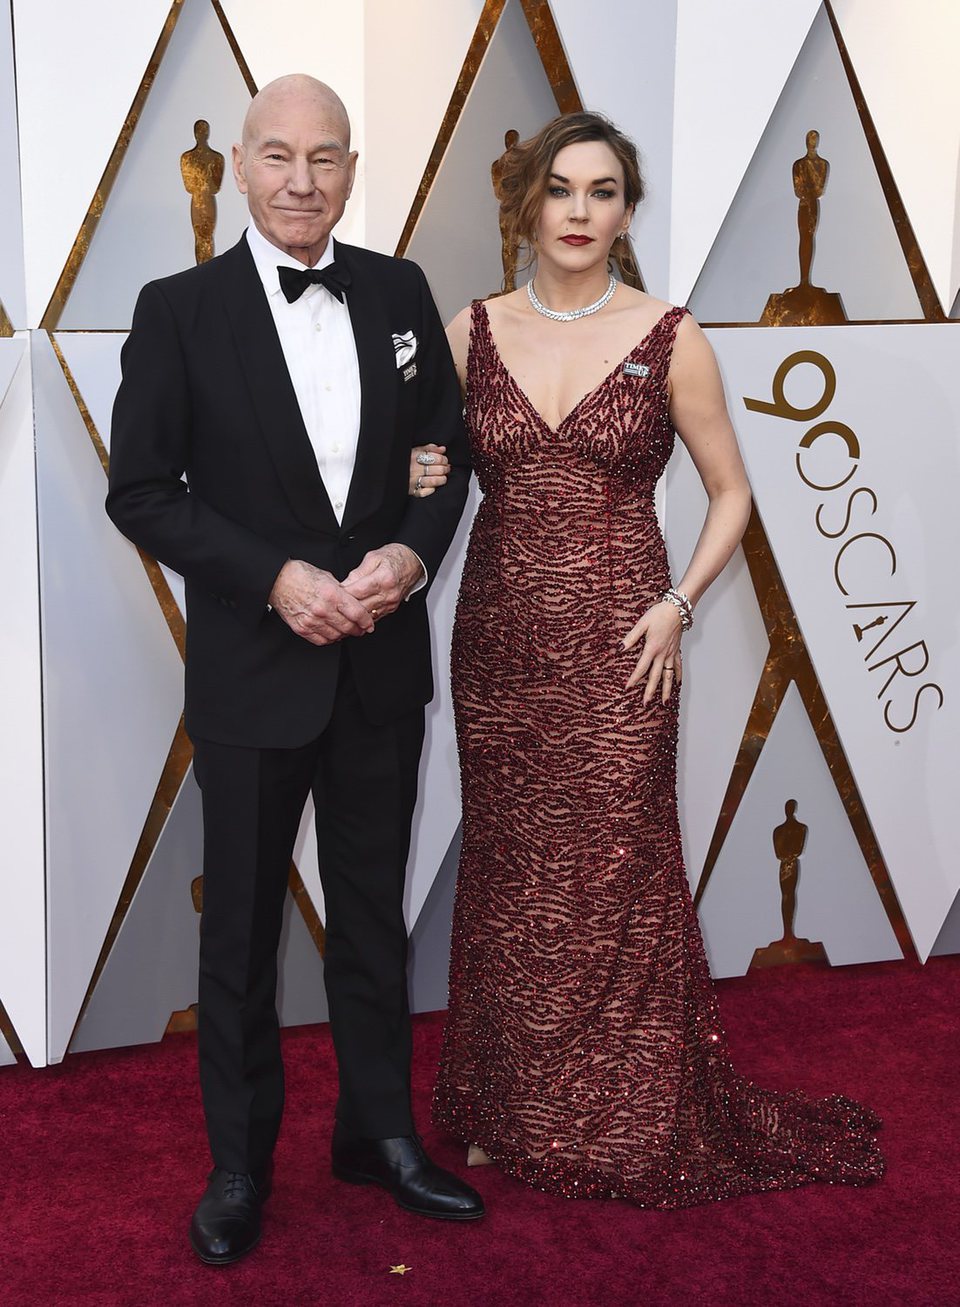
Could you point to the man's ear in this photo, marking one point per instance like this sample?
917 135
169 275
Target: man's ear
237 159
351 171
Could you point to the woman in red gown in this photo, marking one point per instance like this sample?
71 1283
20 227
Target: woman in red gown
583 1050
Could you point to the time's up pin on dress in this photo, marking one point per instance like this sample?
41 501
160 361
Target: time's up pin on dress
583 1048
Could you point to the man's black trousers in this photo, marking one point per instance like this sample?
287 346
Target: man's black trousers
364 780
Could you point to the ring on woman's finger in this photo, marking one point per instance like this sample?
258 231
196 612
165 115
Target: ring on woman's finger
425 460
420 483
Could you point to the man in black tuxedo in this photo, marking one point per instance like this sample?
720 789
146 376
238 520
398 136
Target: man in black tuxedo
289 379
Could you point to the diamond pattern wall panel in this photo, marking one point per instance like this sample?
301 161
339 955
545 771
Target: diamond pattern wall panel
905 60
726 88
858 252
113 686
22 897
836 903
91 55
12 297
145 229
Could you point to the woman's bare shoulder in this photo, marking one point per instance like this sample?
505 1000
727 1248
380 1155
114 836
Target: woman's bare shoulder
458 331
505 308
691 343
639 303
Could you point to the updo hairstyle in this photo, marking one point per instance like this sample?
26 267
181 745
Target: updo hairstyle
528 164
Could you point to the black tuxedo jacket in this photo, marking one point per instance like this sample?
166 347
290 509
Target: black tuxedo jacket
206 392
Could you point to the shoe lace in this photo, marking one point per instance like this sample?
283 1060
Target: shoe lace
236 1185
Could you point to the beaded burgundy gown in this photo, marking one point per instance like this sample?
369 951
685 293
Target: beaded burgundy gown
583 1048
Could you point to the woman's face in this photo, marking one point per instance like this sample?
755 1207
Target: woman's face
583 210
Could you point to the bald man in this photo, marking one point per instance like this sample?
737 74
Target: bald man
288 380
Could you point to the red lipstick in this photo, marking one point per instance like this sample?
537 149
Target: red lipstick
577 240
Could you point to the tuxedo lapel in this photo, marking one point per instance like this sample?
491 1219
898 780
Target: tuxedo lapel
378 385
271 390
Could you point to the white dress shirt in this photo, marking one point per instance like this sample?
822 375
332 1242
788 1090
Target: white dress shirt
321 356
316 337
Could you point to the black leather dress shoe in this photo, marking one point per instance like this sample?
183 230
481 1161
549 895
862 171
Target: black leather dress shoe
402 1168
226 1224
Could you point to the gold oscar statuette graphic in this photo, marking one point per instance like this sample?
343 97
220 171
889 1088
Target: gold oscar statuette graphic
186 1019
202 171
508 242
788 841
806 305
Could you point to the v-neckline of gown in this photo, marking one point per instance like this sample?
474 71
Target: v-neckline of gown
555 431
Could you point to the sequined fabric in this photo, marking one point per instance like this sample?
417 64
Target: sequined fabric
583 1048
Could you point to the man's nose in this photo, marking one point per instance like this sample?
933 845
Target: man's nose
300 178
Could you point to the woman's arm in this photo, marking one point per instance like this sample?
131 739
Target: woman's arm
458 334
698 411
425 480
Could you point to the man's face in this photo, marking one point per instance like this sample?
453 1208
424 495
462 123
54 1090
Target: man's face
296 170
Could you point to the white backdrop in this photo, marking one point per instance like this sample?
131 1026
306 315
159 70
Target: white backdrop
97 805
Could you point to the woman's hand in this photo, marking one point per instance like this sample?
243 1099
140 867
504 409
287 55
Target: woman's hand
659 664
429 472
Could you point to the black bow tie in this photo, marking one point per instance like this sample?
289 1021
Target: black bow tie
294 281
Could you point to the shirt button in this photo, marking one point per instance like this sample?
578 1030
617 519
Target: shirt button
328 388
317 326
334 449
339 504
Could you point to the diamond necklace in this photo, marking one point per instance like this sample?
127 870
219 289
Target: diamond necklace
571 314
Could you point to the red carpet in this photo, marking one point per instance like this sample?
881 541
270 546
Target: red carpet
104 1157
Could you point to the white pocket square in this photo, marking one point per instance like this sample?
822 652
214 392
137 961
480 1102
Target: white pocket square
405 345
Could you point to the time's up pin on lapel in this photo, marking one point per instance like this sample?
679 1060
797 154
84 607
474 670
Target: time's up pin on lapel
636 370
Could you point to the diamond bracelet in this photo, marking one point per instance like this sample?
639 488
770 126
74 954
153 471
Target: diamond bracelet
680 600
